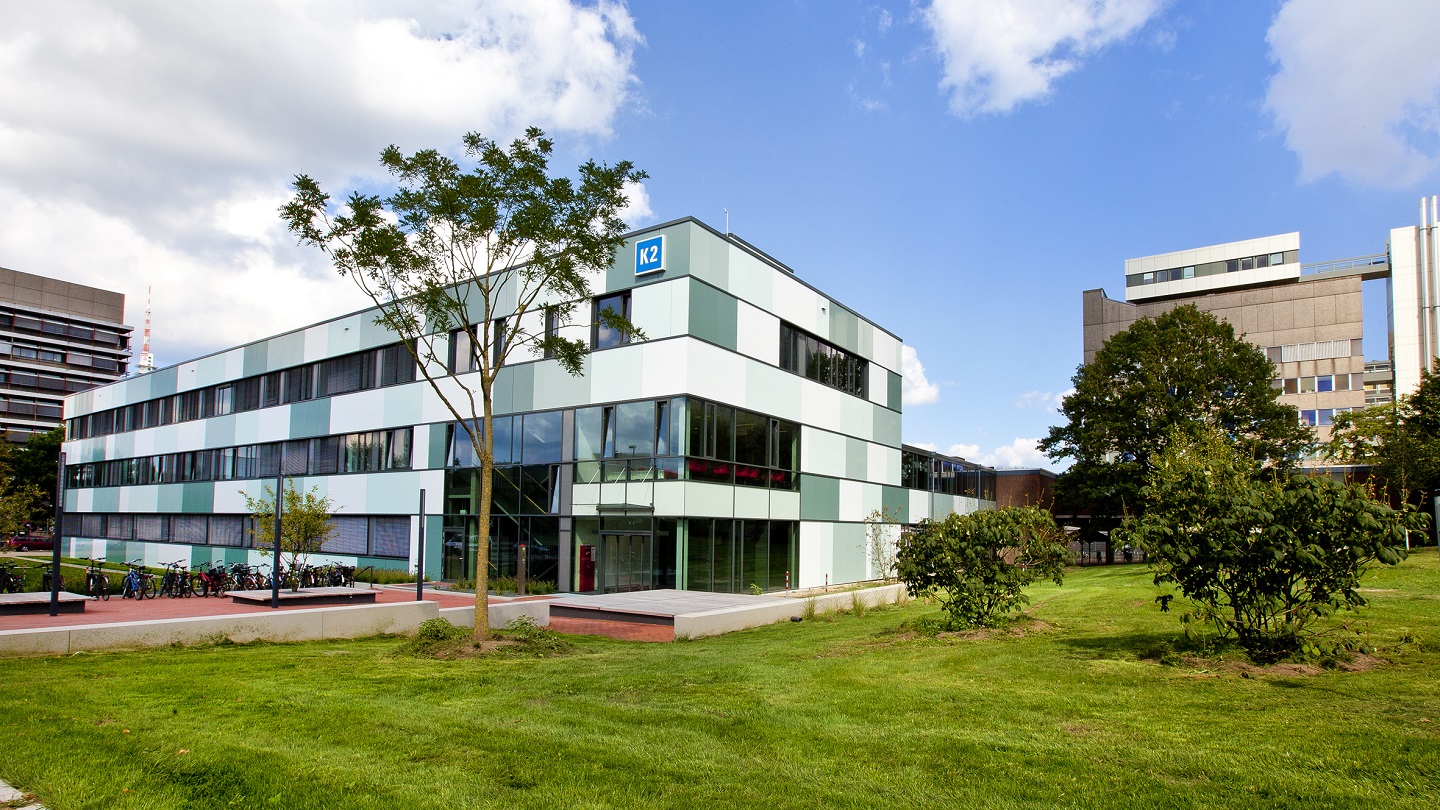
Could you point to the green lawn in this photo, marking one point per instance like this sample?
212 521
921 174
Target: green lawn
827 713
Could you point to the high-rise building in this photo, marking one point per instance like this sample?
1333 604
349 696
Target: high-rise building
1307 317
56 338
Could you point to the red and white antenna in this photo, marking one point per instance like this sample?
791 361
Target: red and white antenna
147 360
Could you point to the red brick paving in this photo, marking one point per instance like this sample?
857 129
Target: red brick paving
130 610
625 631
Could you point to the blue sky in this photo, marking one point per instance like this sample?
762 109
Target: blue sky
956 171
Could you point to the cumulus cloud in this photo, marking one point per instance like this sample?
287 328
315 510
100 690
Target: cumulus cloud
1021 452
1002 53
637 205
1047 400
915 389
1357 89
150 144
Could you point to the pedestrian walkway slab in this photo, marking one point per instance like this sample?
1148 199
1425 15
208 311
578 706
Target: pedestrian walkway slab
667 614
13 603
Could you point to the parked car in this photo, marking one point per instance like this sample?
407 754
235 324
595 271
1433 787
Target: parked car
30 542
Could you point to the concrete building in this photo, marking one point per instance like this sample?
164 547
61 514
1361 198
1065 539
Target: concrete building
743 443
56 338
1308 318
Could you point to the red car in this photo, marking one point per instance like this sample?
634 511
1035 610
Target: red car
30 542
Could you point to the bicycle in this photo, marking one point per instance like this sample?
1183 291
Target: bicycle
139 583
97 585
213 581
11 581
176 581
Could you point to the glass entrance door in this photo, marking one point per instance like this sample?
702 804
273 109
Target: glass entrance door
626 563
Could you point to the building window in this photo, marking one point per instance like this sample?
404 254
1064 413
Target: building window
804 354
552 328
497 342
603 336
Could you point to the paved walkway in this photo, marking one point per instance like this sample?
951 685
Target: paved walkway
130 610
10 797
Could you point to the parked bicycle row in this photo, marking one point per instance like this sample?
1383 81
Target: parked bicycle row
177 580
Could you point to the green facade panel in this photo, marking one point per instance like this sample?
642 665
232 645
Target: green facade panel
163 382
105 499
857 459
255 359
845 330
310 419
714 316
819 498
848 553
198 498
886 428
896 502
895 394
220 431
438 450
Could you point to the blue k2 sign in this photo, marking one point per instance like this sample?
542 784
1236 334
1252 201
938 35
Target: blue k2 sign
650 255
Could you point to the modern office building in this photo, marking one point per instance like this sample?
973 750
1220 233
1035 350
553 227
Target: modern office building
56 338
742 443
1308 318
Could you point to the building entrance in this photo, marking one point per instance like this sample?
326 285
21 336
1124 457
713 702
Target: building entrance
626 563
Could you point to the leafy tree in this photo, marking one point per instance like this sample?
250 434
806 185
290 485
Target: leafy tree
1184 366
1400 441
1263 554
477 264
978 564
27 480
305 524
17 507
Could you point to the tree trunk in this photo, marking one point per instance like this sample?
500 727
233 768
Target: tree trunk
482 546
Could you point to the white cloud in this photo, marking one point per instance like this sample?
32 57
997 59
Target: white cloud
1357 90
1048 400
1002 53
151 144
637 205
1019 453
915 389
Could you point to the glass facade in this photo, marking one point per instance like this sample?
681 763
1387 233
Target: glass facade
644 441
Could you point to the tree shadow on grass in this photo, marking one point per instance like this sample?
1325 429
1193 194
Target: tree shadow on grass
1162 647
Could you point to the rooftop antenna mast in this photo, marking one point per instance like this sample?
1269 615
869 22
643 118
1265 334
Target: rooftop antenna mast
727 220
147 360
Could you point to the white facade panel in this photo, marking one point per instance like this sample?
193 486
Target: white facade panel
758 334
752 503
363 410
670 498
709 500
821 452
784 505
817 541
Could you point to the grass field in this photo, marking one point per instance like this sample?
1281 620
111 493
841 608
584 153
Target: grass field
845 712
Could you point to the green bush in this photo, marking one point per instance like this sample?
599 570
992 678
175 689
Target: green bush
384 576
1262 555
511 585
978 564
535 638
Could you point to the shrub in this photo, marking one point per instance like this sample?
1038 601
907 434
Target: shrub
978 564
1261 554
511 585
535 638
384 576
